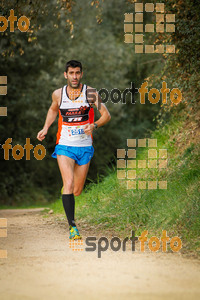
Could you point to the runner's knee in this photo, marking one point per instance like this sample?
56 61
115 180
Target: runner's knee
77 192
68 185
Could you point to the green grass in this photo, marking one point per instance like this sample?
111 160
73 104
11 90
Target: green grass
24 206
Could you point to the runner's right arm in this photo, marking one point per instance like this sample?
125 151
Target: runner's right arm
51 115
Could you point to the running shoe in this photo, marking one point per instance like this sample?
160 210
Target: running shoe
74 233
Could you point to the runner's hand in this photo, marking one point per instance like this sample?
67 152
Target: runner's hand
41 134
88 129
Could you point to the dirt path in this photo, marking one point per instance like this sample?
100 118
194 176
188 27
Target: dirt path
40 265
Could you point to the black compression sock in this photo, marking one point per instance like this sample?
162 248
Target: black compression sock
69 207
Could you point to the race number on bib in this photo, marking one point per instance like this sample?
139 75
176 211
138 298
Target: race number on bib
76 133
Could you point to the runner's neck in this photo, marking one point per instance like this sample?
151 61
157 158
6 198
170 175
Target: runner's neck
73 93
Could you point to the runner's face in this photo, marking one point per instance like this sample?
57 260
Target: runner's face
73 77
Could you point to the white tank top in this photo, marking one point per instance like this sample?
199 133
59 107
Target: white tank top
73 116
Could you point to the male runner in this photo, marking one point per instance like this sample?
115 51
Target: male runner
74 148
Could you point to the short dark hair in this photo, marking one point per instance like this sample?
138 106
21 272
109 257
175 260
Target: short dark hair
73 64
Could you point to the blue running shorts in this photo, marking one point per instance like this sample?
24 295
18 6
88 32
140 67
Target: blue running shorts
81 155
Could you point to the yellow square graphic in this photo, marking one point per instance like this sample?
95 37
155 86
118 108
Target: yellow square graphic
131 153
138 48
138 7
131 142
3 90
170 18
138 27
170 48
128 27
3 79
131 184
128 38
149 28
121 163
152 185
159 27
3 232
139 18
142 143
152 153
152 163
162 185
131 174
128 17
141 163
149 48
152 142
3 222
170 28
162 163
142 185
3 111
121 174
3 254
149 7
159 49
162 153
138 38
131 164
160 18
121 153
160 7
